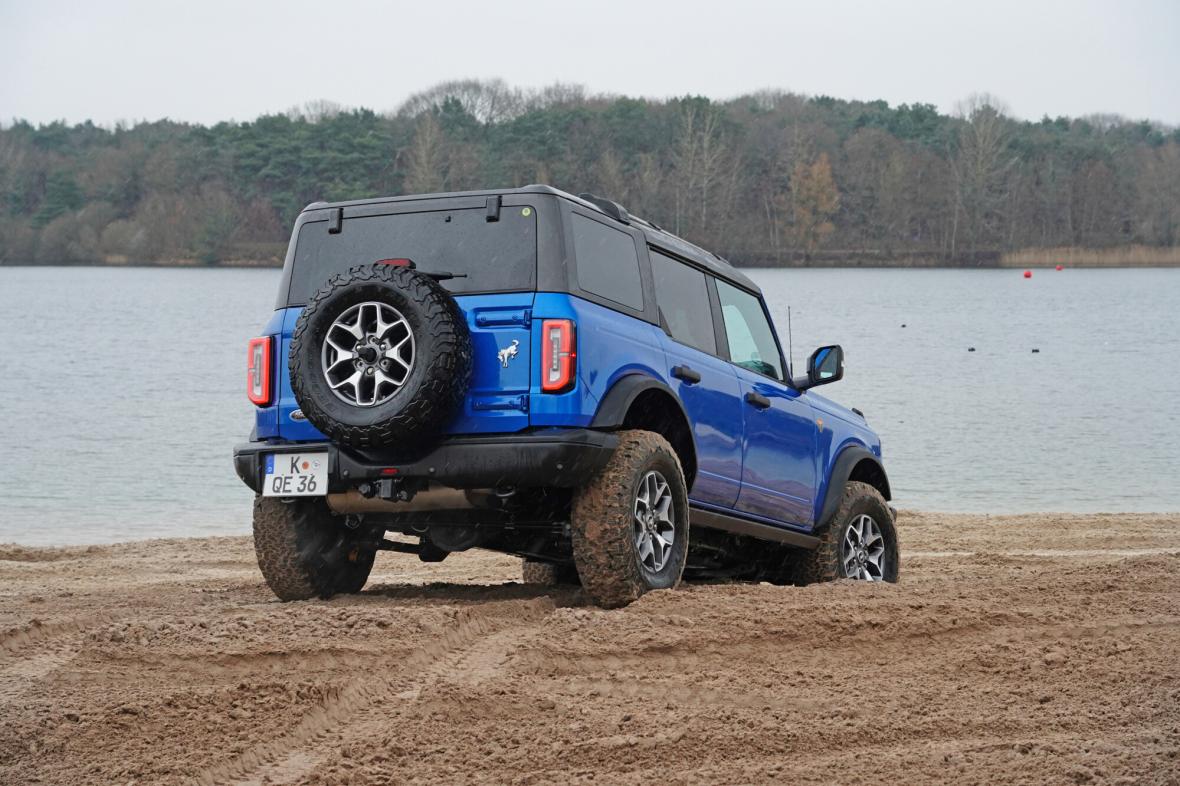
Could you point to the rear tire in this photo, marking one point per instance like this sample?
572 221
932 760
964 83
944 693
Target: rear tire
630 523
548 574
844 552
306 552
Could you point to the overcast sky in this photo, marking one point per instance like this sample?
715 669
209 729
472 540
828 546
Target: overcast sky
209 60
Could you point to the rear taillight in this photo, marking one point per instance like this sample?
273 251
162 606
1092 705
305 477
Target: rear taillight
258 371
558 355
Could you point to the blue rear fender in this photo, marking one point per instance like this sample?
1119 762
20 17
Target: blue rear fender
610 346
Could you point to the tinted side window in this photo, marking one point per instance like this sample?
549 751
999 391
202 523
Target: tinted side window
751 339
608 264
683 300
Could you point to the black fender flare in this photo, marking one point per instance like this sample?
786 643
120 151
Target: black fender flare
613 408
841 470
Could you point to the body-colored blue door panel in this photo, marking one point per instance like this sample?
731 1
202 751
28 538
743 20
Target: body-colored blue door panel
714 408
778 471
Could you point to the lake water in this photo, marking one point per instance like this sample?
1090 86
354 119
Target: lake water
121 390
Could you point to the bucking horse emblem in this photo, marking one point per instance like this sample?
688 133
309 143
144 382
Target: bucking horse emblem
507 353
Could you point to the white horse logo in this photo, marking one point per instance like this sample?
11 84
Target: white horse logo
507 353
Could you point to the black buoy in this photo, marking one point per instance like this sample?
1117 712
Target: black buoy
970 349
903 324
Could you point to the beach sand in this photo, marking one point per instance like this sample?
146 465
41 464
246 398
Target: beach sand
1017 649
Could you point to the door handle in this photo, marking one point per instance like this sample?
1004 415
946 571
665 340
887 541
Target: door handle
757 400
687 374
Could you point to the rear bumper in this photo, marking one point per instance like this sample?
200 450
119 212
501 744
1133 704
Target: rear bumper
544 457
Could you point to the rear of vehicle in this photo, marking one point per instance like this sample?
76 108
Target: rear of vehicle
495 267
485 251
420 374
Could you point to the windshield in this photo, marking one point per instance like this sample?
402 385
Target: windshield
495 256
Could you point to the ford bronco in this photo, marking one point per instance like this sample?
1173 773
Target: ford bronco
547 376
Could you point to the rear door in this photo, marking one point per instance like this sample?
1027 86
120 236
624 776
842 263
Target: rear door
707 386
778 470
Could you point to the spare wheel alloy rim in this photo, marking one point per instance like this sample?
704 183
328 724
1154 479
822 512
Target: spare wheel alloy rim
863 550
653 522
368 354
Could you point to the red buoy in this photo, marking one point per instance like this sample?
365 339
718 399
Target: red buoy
1061 267
1028 274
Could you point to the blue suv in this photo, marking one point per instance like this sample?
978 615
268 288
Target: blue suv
544 375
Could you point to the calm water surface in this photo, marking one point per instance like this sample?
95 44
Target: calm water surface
121 390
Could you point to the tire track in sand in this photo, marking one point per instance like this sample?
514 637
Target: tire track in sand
465 648
37 649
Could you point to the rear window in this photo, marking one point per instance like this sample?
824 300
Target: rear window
495 256
608 264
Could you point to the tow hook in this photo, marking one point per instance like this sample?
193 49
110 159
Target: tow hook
392 489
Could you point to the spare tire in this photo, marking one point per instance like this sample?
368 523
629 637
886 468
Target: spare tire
381 356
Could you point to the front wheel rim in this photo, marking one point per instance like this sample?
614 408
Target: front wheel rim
653 522
862 552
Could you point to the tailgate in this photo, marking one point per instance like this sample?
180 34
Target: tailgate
497 400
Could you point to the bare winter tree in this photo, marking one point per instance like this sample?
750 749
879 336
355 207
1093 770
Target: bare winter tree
425 157
556 94
980 167
490 101
316 111
698 162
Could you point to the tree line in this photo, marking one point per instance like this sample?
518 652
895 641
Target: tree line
767 178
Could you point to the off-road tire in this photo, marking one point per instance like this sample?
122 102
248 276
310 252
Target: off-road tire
305 552
604 546
824 563
437 384
548 574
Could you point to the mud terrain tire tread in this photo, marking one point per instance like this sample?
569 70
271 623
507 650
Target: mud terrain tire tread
604 546
823 563
443 355
548 574
286 536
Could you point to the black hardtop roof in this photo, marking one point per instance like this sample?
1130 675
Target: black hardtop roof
654 234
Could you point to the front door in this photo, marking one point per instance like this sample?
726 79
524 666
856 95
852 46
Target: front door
779 444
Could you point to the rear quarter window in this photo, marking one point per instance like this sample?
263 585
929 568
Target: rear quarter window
607 262
494 256
683 299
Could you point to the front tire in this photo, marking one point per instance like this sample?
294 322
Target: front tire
630 523
305 552
860 543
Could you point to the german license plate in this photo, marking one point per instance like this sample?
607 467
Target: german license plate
295 475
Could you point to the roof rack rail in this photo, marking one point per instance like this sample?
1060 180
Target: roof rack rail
612 209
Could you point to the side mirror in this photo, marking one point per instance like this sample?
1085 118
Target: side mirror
825 365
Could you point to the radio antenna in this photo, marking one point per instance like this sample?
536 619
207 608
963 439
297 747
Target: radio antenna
790 343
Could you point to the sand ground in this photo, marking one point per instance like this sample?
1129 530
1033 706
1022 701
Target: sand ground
1022 649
